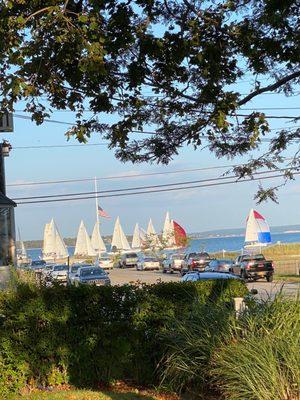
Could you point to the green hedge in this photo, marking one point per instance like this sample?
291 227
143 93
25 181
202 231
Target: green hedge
87 335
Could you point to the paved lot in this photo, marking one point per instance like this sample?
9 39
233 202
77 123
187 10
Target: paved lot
121 276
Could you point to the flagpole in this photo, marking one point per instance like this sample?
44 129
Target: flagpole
96 201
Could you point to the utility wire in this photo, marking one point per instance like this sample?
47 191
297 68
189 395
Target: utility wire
129 175
148 187
156 191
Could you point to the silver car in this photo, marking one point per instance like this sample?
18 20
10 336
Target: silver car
221 265
91 276
173 263
73 270
204 276
148 263
58 273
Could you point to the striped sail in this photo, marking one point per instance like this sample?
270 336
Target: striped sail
257 230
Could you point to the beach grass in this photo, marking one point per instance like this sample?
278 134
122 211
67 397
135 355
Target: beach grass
288 278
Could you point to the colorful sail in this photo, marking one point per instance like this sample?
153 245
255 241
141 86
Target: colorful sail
179 234
257 230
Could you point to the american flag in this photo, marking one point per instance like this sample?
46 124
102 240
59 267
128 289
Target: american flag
102 213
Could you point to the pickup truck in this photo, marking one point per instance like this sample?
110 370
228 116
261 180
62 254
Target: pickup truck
249 266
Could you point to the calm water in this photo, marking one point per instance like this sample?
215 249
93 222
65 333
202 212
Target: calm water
209 244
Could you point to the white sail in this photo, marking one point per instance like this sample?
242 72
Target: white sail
97 241
61 249
151 234
136 240
168 232
23 249
119 240
83 243
49 239
257 230
53 246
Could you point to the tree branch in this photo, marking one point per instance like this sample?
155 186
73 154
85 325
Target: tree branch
272 87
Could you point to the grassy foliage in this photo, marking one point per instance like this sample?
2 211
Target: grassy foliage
86 335
255 357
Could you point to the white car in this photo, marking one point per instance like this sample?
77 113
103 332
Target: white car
148 263
105 262
58 273
173 263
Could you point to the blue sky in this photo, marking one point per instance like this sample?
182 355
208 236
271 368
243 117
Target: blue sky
196 209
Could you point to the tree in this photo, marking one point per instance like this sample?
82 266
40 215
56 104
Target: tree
103 56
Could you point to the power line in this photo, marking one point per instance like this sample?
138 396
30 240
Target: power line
149 186
128 176
83 145
157 190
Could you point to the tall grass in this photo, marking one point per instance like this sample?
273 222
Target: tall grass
256 357
262 359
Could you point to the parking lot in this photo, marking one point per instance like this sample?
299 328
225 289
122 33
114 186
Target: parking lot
122 276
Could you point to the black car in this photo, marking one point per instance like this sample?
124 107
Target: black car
219 265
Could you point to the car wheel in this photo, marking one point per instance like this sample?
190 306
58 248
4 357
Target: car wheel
244 276
269 278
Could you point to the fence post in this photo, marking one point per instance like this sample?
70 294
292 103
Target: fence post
239 305
297 268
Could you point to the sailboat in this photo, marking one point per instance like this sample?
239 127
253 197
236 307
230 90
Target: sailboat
257 230
168 232
119 240
96 240
152 236
22 257
180 237
136 239
53 246
83 245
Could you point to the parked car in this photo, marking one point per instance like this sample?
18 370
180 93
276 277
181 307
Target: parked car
173 263
204 276
195 262
148 263
128 260
37 265
221 265
58 273
91 276
249 266
106 262
73 270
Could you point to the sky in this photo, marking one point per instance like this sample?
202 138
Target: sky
197 210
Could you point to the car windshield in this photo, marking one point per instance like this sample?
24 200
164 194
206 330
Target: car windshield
60 268
223 262
150 259
104 259
257 257
178 256
38 263
74 268
91 272
131 255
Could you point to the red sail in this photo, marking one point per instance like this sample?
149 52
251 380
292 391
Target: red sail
180 235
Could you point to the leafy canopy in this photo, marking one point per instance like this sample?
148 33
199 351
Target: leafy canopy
165 66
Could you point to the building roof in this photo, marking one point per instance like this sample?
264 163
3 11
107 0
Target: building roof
5 201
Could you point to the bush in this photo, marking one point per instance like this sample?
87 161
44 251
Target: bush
255 357
262 360
86 335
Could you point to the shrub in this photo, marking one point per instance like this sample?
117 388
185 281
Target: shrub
262 359
89 334
255 357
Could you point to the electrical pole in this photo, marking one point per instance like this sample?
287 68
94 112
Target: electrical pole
7 217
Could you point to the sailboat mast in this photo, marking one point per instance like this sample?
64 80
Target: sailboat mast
96 200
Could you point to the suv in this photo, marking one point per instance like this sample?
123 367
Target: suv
128 260
195 262
173 263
